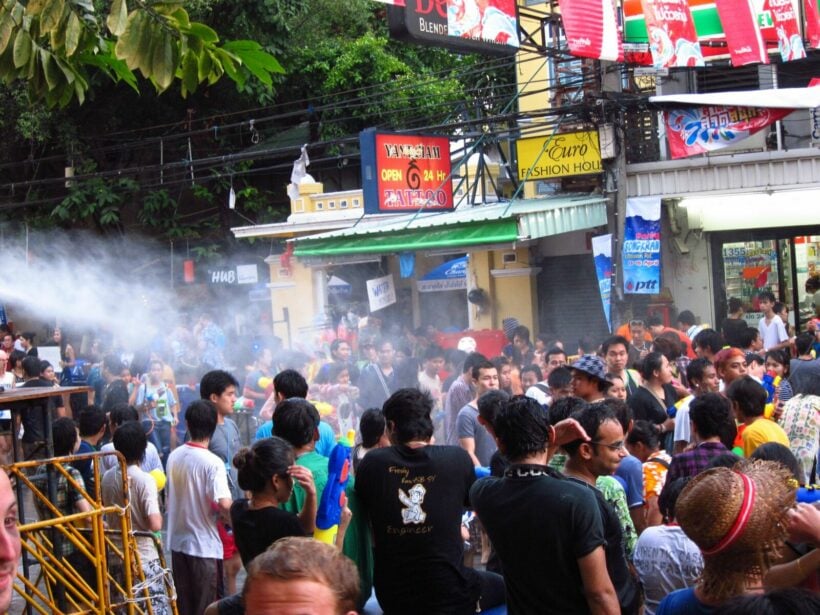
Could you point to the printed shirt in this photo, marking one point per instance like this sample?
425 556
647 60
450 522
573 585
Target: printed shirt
654 474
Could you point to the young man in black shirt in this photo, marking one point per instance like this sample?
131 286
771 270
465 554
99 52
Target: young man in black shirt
414 495
546 529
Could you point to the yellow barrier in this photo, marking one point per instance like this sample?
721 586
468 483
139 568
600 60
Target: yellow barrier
85 567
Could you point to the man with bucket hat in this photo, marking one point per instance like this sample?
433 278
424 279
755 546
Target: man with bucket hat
589 378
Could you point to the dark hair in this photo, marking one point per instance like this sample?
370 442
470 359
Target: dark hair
296 420
774 451
709 413
779 356
587 344
335 370
290 383
371 427
28 336
122 413
556 350
485 364
749 395
113 364
565 407
650 364
91 420
472 359
621 410
257 465
490 404
614 341
64 433
131 441
753 357
734 305
654 320
803 343
643 432
669 497
433 351
334 346
696 368
668 344
456 358
686 317
747 336
215 382
559 378
409 411
779 306
31 367
535 370
44 365
522 332
786 601
591 418
200 418
710 339
766 295
15 356
115 393
724 460
500 362
522 428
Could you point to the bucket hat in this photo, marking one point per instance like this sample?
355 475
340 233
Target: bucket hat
592 366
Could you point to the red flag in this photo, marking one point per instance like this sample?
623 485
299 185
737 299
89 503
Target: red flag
743 37
784 18
812 23
672 38
592 29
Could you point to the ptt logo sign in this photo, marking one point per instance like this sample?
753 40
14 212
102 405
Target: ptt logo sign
641 286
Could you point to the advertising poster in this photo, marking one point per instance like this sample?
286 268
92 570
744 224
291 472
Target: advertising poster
812 12
642 246
698 130
741 24
592 29
602 252
671 30
785 22
381 292
484 21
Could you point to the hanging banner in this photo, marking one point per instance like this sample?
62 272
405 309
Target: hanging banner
642 246
592 29
602 252
740 22
381 292
494 22
393 2
789 40
812 13
698 130
671 30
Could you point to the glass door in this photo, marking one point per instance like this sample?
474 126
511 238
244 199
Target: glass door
750 267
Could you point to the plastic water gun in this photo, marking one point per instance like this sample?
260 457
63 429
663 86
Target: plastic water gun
266 384
243 404
770 382
482 471
808 494
333 498
324 408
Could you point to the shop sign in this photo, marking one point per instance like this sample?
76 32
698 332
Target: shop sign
241 274
559 155
602 252
698 130
784 20
671 31
592 29
814 123
459 25
405 173
641 257
381 292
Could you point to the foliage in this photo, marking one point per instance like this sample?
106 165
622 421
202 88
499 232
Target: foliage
96 201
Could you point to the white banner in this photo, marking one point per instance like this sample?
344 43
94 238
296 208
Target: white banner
381 292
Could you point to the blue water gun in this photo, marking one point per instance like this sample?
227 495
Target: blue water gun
809 494
333 498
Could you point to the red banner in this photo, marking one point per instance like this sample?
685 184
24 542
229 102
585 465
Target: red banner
787 26
699 130
812 23
740 23
592 29
672 38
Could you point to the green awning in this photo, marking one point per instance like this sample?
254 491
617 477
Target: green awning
482 233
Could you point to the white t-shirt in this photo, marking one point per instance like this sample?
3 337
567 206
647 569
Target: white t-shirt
142 502
682 427
773 333
535 392
151 461
665 560
197 480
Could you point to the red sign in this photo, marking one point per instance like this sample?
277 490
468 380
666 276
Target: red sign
672 38
812 23
699 130
411 172
592 30
789 40
743 36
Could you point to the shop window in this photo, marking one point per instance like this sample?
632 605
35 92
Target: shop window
343 204
356 203
331 204
319 205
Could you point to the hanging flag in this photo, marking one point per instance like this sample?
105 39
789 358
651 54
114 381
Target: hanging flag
698 130
602 252
812 13
672 38
641 257
784 19
740 22
592 29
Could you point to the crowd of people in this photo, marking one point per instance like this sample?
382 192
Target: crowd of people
654 471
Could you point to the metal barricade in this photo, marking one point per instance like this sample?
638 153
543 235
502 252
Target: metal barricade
84 566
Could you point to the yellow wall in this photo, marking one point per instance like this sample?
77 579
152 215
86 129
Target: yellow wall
513 296
296 293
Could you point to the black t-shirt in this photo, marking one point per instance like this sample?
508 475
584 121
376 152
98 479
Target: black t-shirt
256 530
625 584
540 524
732 329
646 407
414 499
32 411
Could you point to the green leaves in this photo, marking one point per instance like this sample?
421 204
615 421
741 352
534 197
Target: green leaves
255 59
117 18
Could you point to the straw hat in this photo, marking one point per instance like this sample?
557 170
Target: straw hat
737 518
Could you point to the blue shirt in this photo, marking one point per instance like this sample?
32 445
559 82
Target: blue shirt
327 440
630 471
683 602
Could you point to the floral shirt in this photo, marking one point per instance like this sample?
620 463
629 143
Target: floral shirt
654 474
801 422
614 494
